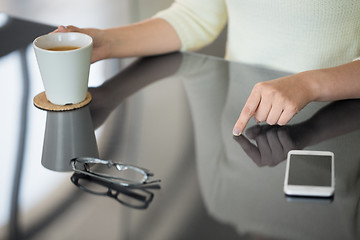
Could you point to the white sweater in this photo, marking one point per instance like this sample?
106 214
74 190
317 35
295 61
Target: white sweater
291 35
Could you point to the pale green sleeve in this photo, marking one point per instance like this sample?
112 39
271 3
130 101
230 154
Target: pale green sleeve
197 22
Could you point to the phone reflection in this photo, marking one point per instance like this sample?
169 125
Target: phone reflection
298 199
272 143
68 134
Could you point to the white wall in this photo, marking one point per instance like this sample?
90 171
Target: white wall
83 13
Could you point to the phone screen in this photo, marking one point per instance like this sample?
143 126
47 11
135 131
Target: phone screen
310 170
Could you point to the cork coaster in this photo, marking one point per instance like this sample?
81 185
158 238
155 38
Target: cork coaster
40 101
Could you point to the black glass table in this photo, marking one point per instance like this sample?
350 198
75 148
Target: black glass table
172 114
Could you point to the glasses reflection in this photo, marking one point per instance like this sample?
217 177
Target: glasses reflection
133 197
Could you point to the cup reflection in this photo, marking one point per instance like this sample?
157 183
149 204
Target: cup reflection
68 135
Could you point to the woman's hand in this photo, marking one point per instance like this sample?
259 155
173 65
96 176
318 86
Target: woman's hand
276 101
101 46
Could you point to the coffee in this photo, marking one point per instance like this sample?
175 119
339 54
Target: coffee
63 48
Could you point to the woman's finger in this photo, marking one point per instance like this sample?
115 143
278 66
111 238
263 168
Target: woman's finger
247 112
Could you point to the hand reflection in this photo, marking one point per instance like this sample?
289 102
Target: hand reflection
274 142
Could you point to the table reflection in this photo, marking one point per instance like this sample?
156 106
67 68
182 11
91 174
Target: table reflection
236 191
141 73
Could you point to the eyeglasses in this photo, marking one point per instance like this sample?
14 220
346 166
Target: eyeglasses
138 197
113 172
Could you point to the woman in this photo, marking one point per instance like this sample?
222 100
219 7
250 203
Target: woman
318 40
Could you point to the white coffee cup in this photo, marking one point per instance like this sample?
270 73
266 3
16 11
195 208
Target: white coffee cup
65 73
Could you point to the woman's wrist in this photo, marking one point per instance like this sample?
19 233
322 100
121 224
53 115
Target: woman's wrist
335 83
313 82
107 43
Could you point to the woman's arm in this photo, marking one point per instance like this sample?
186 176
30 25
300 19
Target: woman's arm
278 100
149 37
186 25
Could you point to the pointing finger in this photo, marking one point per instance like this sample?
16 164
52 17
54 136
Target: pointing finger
247 112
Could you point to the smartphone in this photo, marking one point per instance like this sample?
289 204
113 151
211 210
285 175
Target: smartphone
309 173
